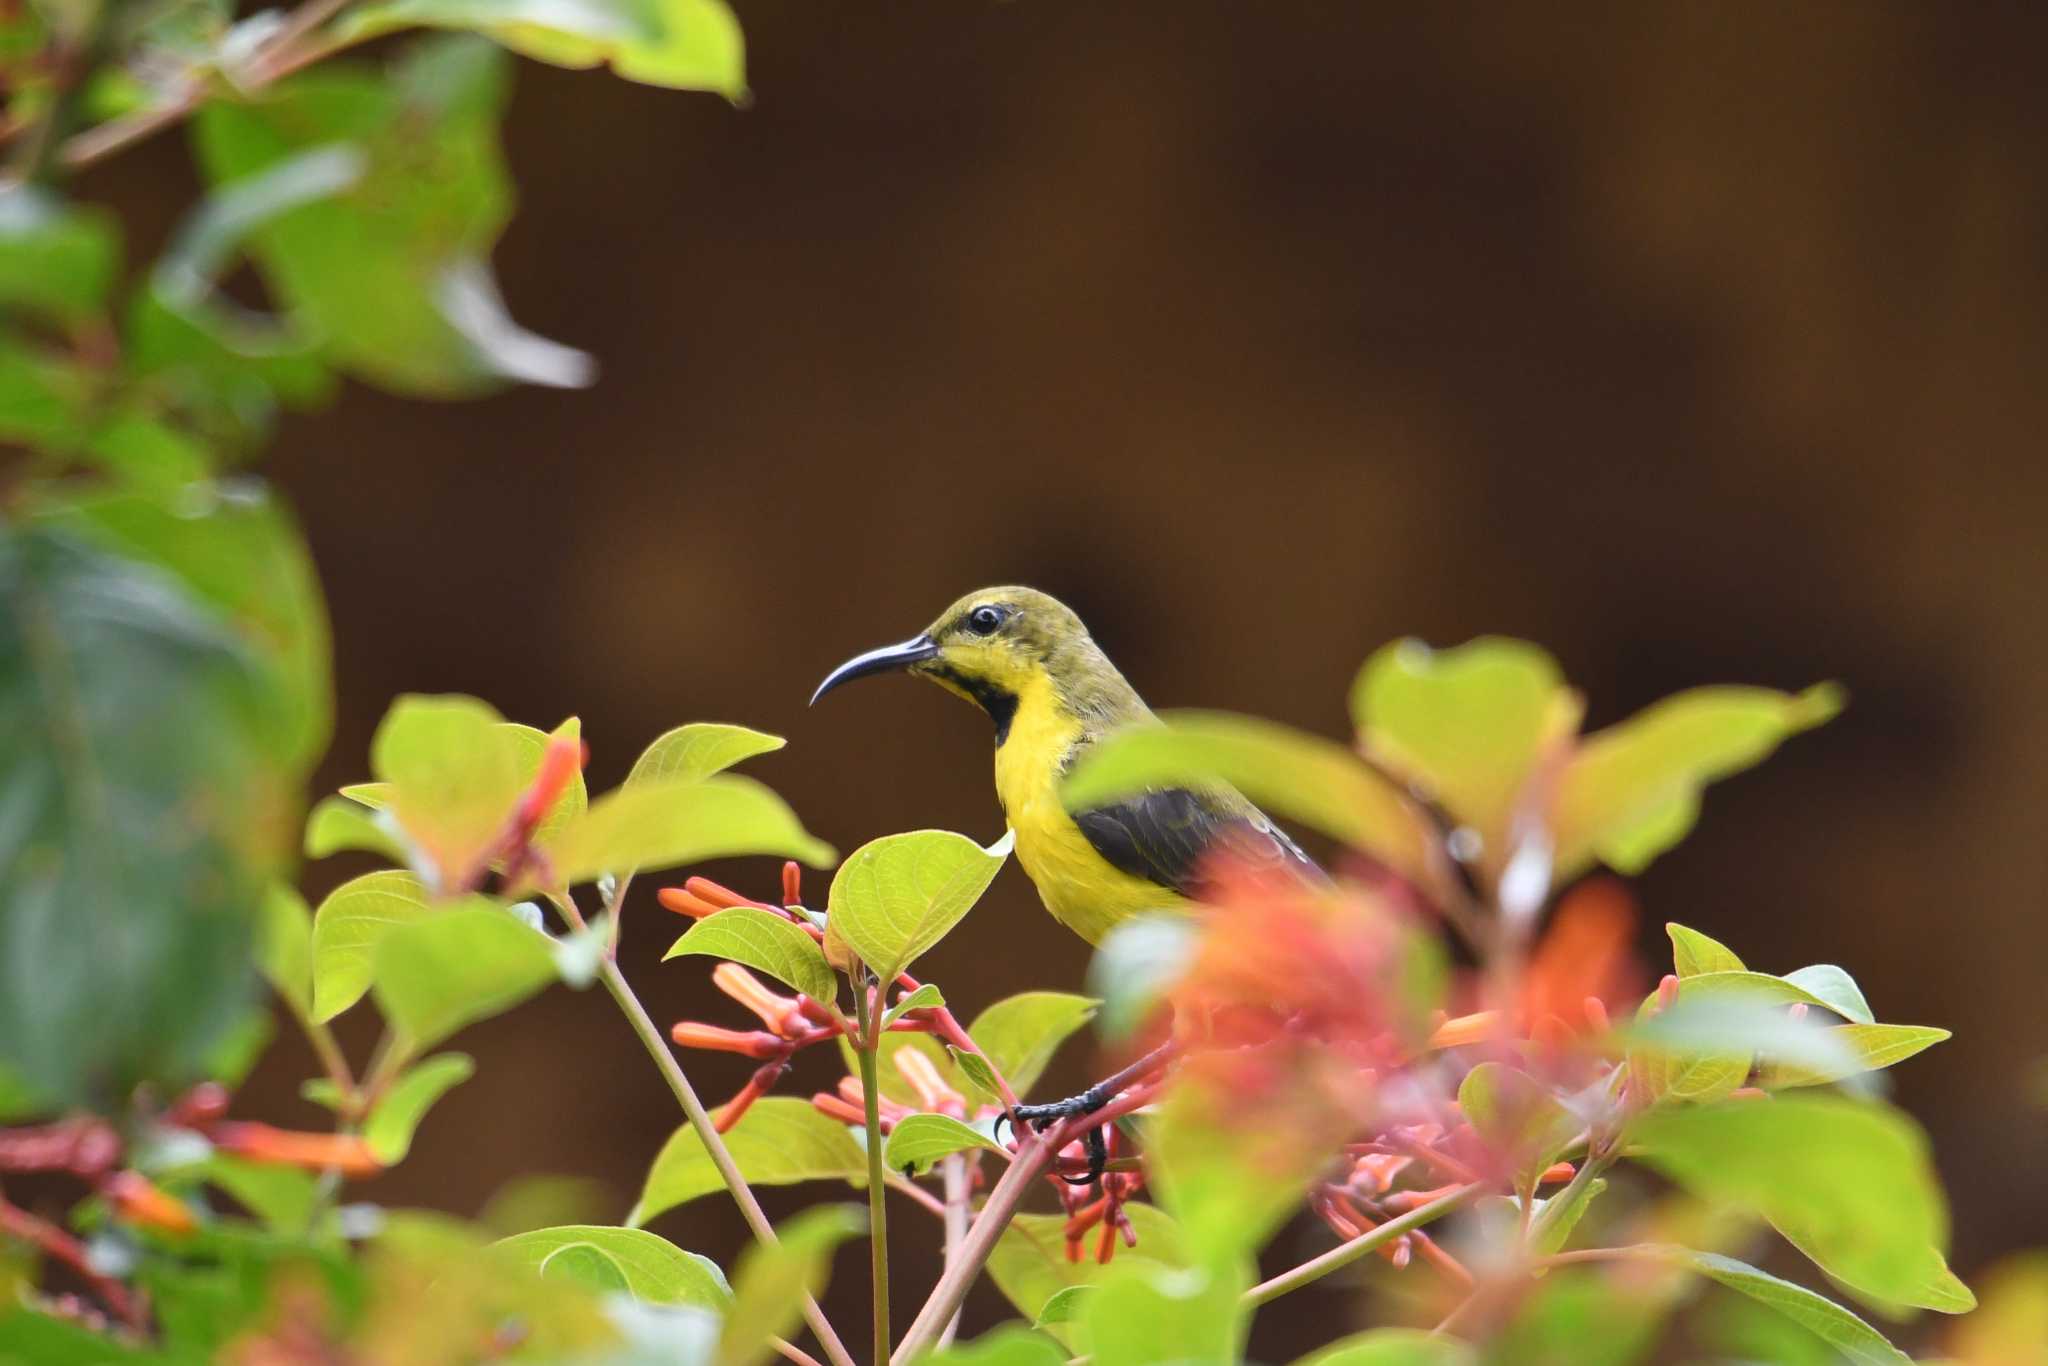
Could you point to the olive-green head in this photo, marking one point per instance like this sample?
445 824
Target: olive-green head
991 646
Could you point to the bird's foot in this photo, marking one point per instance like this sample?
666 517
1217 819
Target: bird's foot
1043 1117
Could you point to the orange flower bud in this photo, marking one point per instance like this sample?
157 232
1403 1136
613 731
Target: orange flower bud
683 903
1667 992
346 1153
1596 1015
139 1200
560 762
825 1103
752 1043
1466 1029
774 1010
1558 1171
933 1092
792 883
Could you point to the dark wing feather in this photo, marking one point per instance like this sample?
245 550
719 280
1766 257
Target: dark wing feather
1168 836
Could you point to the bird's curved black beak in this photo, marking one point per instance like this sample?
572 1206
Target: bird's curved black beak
915 650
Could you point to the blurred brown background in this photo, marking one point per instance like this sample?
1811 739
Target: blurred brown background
1699 343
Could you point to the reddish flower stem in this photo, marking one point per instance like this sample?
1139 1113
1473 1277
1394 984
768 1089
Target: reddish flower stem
61 1246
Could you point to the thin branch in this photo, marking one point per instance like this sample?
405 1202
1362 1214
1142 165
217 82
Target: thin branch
19 1223
870 1007
714 1145
794 1353
917 1194
953 1169
1346 1253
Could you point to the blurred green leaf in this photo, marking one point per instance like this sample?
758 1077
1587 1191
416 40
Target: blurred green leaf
2014 1319
221 1282
336 824
1856 1340
1866 1047
1516 1116
17 1099
1066 1305
1021 1033
437 975
284 1198
1466 725
1011 1344
764 941
1288 772
973 1069
1151 1315
369 268
347 927
543 1200
405 1103
926 997
1633 790
56 259
1693 953
1229 1180
662 824
779 1141
919 1141
147 810
456 771
1029 1263
645 1265
1847 1182
1835 987
532 745
44 398
29 1338
681 44
699 750
897 896
1391 1347
772 1280
1558 1216
1579 1318
1136 964
285 948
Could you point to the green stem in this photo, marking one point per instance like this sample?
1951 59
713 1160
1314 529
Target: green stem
878 1209
1344 1254
1555 1207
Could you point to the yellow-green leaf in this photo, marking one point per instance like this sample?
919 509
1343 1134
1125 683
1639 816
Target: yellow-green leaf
347 928
1869 1047
773 1279
337 823
1856 1340
397 1117
285 948
918 1141
440 974
659 824
1693 953
644 1265
897 896
765 941
1632 790
1021 1033
779 1141
699 750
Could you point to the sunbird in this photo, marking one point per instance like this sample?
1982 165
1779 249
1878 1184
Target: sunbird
1023 657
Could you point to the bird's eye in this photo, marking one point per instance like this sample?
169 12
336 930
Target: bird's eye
984 620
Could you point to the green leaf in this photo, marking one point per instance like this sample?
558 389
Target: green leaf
1136 964
235 548
1021 1033
1516 1116
146 803
699 750
925 997
766 942
974 1070
369 269
662 824
897 896
391 1125
1835 987
284 1198
647 1266
1011 1344
435 976
1693 953
1856 1340
1849 1183
1868 1047
1291 774
1029 1263
56 259
1578 1317
1391 1347
1154 1316
1065 1306
285 948
1558 1220
336 824
455 773
1467 725
347 928
680 44
779 1141
919 1141
1633 790
532 747
772 1280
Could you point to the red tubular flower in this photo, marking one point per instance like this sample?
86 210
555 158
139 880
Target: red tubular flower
783 1014
826 1103
682 902
560 762
346 1153
933 1092
753 1043
792 883
140 1201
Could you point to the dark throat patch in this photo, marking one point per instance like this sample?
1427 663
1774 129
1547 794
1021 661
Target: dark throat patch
1000 704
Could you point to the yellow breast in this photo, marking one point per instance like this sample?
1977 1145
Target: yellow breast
1084 891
